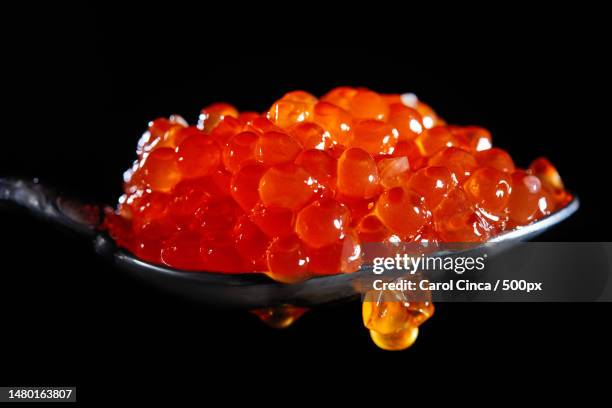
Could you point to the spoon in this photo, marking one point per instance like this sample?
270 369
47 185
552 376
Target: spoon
246 290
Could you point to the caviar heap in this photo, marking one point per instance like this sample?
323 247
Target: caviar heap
295 191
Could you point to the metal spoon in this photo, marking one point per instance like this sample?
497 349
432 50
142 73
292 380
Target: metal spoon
226 290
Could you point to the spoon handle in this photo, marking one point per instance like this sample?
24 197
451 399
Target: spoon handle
47 204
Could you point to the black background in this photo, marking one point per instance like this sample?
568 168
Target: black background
81 94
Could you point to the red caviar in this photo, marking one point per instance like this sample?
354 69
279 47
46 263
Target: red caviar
295 191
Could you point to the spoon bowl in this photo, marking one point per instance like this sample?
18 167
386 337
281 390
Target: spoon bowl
247 290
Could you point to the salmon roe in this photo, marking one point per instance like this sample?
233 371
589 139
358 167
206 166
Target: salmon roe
295 192
392 319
